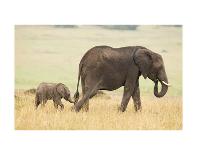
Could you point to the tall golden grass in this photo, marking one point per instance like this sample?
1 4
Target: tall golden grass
157 114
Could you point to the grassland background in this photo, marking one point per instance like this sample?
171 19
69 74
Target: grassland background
47 53
52 54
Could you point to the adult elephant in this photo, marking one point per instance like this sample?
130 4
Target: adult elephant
107 68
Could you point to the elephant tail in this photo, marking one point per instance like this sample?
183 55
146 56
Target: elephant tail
76 96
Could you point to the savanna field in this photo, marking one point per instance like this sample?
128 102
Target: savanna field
52 54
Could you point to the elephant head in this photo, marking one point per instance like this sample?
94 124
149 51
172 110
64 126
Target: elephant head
151 65
63 92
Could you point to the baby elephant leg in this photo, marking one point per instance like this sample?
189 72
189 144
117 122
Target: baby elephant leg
44 102
58 102
61 105
55 105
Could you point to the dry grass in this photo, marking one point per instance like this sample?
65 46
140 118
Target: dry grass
157 114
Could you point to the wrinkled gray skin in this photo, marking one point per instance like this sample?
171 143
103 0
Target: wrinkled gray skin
52 91
107 68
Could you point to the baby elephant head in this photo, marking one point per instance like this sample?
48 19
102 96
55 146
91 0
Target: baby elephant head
63 92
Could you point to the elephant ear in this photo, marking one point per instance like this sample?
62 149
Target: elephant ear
60 89
143 60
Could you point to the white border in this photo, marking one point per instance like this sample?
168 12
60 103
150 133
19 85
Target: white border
99 12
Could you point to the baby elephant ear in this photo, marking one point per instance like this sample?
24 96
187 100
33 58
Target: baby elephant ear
143 60
60 89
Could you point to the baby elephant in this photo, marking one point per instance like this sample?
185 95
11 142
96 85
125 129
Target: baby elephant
52 91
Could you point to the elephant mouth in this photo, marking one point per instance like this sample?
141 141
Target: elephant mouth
164 88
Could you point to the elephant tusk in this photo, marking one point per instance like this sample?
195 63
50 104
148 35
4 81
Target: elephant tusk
167 84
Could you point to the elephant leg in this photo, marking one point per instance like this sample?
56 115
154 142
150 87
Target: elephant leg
126 97
58 102
55 105
85 107
61 105
37 103
136 98
85 99
38 100
44 102
93 94
129 87
83 102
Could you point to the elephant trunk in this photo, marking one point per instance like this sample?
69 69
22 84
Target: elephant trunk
70 100
162 78
164 89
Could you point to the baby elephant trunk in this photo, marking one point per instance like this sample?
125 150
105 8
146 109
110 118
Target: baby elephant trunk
69 99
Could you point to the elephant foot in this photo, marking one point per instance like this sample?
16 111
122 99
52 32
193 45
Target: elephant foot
85 108
75 109
42 105
62 107
121 109
72 108
137 108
